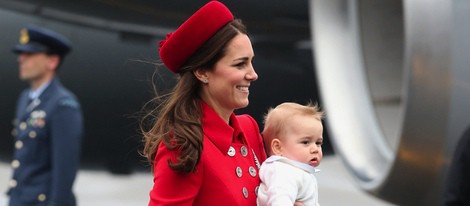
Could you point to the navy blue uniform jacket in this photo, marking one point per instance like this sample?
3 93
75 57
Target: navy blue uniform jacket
47 148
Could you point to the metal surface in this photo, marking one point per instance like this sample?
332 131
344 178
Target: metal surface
393 82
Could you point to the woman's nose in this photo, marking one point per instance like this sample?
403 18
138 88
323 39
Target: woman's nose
252 75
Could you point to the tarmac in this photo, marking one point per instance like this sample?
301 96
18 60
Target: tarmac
101 188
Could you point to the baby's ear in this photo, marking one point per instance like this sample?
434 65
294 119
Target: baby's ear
276 146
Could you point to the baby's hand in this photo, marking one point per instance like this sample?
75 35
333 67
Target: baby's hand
298 204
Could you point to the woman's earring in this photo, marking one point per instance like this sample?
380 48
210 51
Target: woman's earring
204 81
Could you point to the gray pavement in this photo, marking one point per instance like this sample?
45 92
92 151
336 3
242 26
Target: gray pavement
101 188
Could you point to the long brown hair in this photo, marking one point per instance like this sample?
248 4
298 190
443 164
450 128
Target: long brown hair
177 122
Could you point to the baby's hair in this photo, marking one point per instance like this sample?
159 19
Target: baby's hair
276 118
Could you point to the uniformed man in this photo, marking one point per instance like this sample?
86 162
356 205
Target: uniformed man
48 125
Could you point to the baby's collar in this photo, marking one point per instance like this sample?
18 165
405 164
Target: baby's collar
294 163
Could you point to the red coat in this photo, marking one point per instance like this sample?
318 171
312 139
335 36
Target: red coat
227 173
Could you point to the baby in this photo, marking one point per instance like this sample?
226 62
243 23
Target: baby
293 137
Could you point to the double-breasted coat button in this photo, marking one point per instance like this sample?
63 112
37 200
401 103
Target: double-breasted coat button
244 151
15 164
13 132
252 171
42 197
12 183
239 171
231 151
18 144
32 134
256 190
23 125
245 192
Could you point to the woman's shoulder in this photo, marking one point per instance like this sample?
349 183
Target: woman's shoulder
246 118
248 123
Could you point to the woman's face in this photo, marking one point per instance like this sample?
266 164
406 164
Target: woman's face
227 86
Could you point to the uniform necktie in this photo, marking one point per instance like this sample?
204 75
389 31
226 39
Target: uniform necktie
32 103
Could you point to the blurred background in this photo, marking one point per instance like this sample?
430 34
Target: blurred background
391 75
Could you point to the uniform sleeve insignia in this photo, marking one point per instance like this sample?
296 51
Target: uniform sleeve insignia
69 103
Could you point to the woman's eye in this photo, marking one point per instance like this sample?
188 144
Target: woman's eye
239 65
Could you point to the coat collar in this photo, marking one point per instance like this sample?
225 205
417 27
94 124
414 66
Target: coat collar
42 94
49 90
219 132
33 94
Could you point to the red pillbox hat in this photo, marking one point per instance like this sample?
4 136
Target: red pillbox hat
178 46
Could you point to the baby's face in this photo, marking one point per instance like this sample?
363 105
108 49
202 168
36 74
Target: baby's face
302 138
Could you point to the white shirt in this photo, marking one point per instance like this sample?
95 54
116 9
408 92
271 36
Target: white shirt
285 181
36 93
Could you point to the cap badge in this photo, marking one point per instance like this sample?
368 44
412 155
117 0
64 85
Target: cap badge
24 36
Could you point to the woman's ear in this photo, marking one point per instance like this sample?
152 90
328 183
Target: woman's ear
276 146
201 74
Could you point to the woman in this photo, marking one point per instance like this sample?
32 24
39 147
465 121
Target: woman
201 152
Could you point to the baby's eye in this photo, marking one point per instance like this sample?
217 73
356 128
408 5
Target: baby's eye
305 142
319 143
